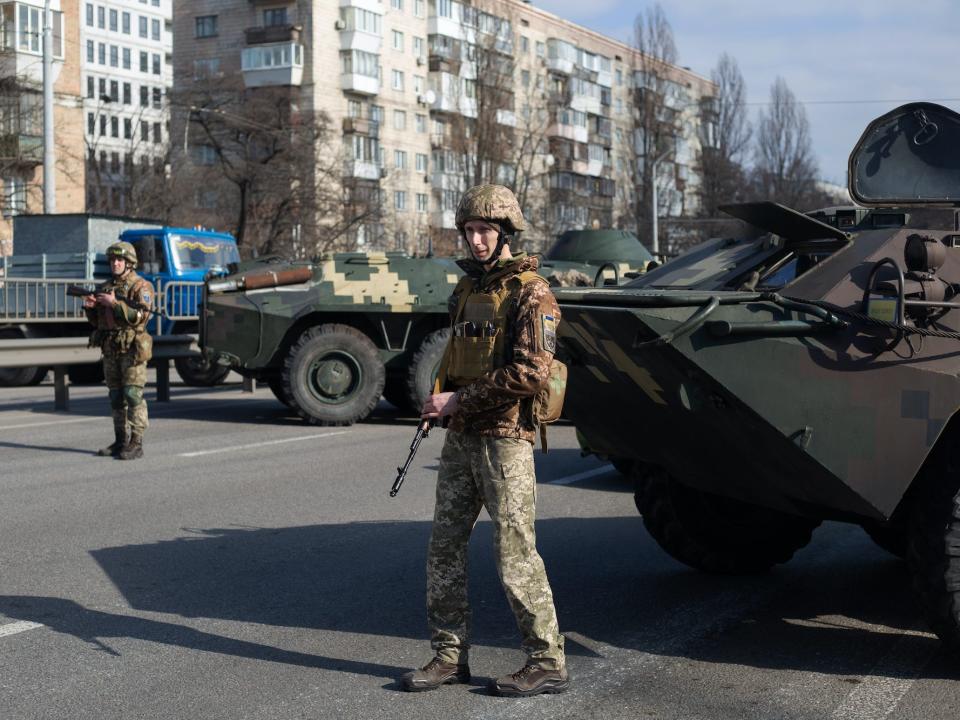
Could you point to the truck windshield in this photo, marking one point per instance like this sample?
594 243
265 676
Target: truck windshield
198 253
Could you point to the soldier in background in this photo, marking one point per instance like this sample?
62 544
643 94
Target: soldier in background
504 321
119 310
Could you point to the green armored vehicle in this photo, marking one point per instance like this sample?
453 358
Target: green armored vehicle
756 387
330 337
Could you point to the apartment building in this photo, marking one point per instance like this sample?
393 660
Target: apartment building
21 111
125 54
427 97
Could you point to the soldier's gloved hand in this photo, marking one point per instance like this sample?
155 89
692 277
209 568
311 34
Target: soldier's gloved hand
106 299
439 405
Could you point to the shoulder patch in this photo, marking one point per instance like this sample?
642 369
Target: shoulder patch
548 327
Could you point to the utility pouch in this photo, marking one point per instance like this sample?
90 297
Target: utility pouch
471 357
142 347
547 404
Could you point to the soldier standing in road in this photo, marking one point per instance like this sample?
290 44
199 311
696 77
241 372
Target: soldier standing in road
504 321
119 310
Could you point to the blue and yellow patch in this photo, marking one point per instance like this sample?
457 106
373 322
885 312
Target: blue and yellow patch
548 331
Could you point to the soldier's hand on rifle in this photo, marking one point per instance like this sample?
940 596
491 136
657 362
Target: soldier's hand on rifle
107 299
440 405
89 301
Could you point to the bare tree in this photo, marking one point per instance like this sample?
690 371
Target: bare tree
784 166
21 150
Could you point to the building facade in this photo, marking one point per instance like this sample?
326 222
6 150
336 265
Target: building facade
423 98
21 111
125 53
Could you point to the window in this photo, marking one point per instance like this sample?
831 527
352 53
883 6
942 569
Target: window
359 19
154 29
524 44
445 8
126 58
144 131
204 154
206 68
103 88
114 17
421 163
400 200
114 56
144 62
156 64
127 128
376 113
400 159
15 193
418 84
418 47
418 7
421 123
156 133
358 62
399 120
126 94
144 96
354 108
90 51
125 23
101 53
115 91
273 17
89 14
157 98
91 123
398 40
103 125
397 83
540 49
619 76
101 17
421 202
397 5
142 22
269 56
205 26
469 87
90 83
114 126
525 78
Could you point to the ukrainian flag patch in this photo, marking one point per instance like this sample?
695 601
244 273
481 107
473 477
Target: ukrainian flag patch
548 327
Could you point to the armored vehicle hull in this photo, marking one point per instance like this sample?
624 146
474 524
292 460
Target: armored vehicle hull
754 388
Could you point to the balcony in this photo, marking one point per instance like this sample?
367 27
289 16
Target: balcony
273 34
361 126
361 170
443 219
571 132
20 149
361 84
271 65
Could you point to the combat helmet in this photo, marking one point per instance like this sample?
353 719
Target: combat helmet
124 250
495 203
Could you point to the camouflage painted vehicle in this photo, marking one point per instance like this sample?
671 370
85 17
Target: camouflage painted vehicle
758 387
330 337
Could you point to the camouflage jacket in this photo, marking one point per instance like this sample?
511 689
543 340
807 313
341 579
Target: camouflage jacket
116 330
492 404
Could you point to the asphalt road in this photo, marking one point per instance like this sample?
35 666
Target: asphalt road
253 567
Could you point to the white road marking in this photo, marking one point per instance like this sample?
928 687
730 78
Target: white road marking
879 693
262 444
18 627
160 411
41 424
581 476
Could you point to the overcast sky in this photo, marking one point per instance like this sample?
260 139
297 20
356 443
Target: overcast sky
836 55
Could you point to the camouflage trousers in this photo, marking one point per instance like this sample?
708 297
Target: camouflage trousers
498 474
125 378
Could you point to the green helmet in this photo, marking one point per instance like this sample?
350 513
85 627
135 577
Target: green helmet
124 250
494 203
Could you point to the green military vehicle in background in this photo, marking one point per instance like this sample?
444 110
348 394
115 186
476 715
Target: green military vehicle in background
331 337
756 387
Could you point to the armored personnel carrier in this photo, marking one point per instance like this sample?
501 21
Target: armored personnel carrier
330 337
756 387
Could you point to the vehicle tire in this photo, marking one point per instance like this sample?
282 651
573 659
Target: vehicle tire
712 533
624 466
334 375
275 383
395 392
200 372
86 374
892 538
19 376
423 369
933 550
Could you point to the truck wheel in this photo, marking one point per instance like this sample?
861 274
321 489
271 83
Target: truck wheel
395 392
933 551
19 376
712 533
275 383
200 372
334 375
424 367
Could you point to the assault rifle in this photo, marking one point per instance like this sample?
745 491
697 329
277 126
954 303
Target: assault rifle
423 430
80 291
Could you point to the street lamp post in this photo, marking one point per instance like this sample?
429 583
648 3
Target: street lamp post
49 158
654 211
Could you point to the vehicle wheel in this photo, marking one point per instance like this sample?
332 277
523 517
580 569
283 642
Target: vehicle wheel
334 375
713 533
19 376
624 466
86 374
933 550
425 366
892 538
275 383
200 372
395 392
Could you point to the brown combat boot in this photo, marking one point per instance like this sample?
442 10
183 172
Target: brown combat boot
531 680
113 450
434 674
133 449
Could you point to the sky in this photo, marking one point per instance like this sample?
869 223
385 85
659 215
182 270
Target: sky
847 61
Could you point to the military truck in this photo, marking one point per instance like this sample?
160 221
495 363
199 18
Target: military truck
330 337
756 387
